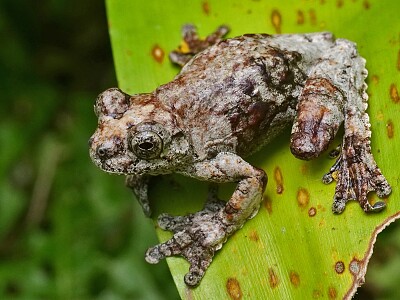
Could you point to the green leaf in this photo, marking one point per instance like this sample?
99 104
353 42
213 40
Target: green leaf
295 247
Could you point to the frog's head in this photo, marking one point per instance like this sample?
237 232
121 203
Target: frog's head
136 135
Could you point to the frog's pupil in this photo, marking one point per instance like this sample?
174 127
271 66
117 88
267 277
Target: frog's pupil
146 146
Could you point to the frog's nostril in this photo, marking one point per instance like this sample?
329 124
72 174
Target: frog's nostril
102 151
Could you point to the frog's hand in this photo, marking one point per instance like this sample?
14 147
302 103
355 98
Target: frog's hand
193 44
357 174
197 236
139 186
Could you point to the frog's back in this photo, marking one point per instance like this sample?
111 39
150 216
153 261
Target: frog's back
239 93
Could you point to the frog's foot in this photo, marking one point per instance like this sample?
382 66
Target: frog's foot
357 174
192 44
196 238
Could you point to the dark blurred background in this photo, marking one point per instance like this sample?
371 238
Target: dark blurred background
68 230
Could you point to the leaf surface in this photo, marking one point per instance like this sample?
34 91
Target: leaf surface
295 247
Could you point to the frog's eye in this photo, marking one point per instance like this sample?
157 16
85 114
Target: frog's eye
146 145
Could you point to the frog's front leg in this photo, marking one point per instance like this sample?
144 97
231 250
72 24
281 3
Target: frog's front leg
336 91
139 186
197 236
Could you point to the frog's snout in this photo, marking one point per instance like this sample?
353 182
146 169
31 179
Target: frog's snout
105 150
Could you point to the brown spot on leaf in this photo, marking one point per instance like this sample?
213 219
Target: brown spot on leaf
366 4
390 129
158 53
300 17
272 278
375 79
276 20
233 289
206 7
394 93
253 236
332 293
303 197
268 204
312 212
339 3
313 17
355 266
339 267
279 180
294 278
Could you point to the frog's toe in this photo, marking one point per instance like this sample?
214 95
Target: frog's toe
338 206
198 267
193 278
172 247
378 206
383 188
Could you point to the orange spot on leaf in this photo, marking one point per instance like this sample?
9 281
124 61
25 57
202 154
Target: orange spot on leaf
206 7
253 236
294 278
394 93
300 17
313 17
303 197
272 278
233 289
312 212
332 293
279 180
158 53
276 20
339 267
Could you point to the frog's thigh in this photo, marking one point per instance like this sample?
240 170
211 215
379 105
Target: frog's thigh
319 115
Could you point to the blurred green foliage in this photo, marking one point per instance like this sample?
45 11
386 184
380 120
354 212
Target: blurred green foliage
68 230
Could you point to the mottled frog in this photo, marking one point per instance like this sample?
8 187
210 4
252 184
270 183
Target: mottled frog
232 97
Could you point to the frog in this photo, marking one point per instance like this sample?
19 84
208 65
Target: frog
232 97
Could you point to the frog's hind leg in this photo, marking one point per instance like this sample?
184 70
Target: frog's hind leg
336 92
192 44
